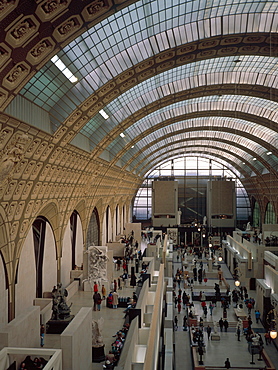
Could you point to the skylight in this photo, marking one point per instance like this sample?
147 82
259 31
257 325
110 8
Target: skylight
61 66
104 114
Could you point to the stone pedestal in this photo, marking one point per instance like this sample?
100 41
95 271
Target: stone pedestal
57 326
98 354
214 336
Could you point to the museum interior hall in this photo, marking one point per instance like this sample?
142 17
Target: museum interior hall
138 171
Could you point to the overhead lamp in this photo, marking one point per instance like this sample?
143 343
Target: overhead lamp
268 153
210 245
204 235
62 67
132 146
104 114
122 134
254 159
220 258
237 283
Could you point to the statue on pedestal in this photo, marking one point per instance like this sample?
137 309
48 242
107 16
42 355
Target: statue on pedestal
61 316
97 326
60 308
97 341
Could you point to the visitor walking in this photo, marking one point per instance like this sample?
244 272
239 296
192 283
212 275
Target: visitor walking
97 301
227 364
211 307
225 324
258 316
221 324
238 333
115 299
42 335
208 331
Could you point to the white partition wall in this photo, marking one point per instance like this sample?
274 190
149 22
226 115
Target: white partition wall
76 341
23 331
10 354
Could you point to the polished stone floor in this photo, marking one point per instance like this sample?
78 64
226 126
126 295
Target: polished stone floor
216 351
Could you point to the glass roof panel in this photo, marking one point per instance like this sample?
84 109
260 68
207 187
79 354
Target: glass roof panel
180 79
207 138
137 32
215 155
213 103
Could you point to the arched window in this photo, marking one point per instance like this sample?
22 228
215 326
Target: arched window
73 228
39 228
93 230
270 216
192 174
256 215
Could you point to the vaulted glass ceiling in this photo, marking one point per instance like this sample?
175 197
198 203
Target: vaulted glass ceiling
146 30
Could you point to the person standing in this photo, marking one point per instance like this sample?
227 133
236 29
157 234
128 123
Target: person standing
115 285
97 301
205 312
184 299
95 287
42 331
238 333
103 292
267 338
125 277
119 283
227 364
258 316
211 307
225 324
179 307
115 299
185 323
221 324
208 331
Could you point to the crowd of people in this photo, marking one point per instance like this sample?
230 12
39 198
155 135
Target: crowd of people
29 364
237 298
113 356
